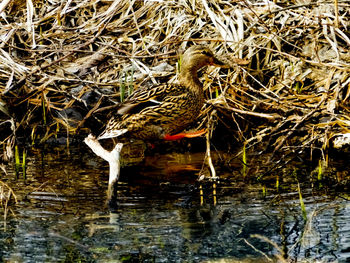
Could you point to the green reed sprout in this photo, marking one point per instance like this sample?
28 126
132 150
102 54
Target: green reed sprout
244 161
299 87
24 164
277 182
17 161
302 205
320 170
122 91
264 191
126 84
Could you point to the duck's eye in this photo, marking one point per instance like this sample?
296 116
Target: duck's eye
207 53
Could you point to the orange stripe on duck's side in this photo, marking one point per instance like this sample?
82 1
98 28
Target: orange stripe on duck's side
181 135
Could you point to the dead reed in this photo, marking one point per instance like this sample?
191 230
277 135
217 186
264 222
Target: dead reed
63 61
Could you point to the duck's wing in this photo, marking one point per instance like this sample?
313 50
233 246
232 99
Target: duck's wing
147 103
148 97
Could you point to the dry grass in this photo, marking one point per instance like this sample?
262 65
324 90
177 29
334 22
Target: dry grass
293 95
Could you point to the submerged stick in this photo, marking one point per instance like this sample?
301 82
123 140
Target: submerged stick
112 157
208 152
208 156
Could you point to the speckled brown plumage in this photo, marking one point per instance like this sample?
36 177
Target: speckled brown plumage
157 111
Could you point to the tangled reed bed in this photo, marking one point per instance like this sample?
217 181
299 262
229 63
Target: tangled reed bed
62 62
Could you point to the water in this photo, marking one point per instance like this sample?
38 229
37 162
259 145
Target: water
161 215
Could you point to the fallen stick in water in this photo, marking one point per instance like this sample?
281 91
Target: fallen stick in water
112 157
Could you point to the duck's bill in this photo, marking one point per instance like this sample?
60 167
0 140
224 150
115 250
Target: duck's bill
220 62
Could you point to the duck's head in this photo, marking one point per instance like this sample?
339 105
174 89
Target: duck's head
199 56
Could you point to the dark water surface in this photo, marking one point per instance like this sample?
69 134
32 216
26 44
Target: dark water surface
161 216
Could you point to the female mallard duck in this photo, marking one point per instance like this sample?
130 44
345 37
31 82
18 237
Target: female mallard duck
159 112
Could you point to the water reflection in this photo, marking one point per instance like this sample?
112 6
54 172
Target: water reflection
61 215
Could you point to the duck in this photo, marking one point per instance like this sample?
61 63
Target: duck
164 111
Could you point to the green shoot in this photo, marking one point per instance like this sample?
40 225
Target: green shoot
264 191
17 163
277 182
24 165
126 84
122 90
302 205
320 170
244 161
299 87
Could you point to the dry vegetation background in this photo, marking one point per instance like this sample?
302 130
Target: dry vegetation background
62 61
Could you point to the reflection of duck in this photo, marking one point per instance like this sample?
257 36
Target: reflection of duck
159 112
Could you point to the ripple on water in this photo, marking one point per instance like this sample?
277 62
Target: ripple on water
159 216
